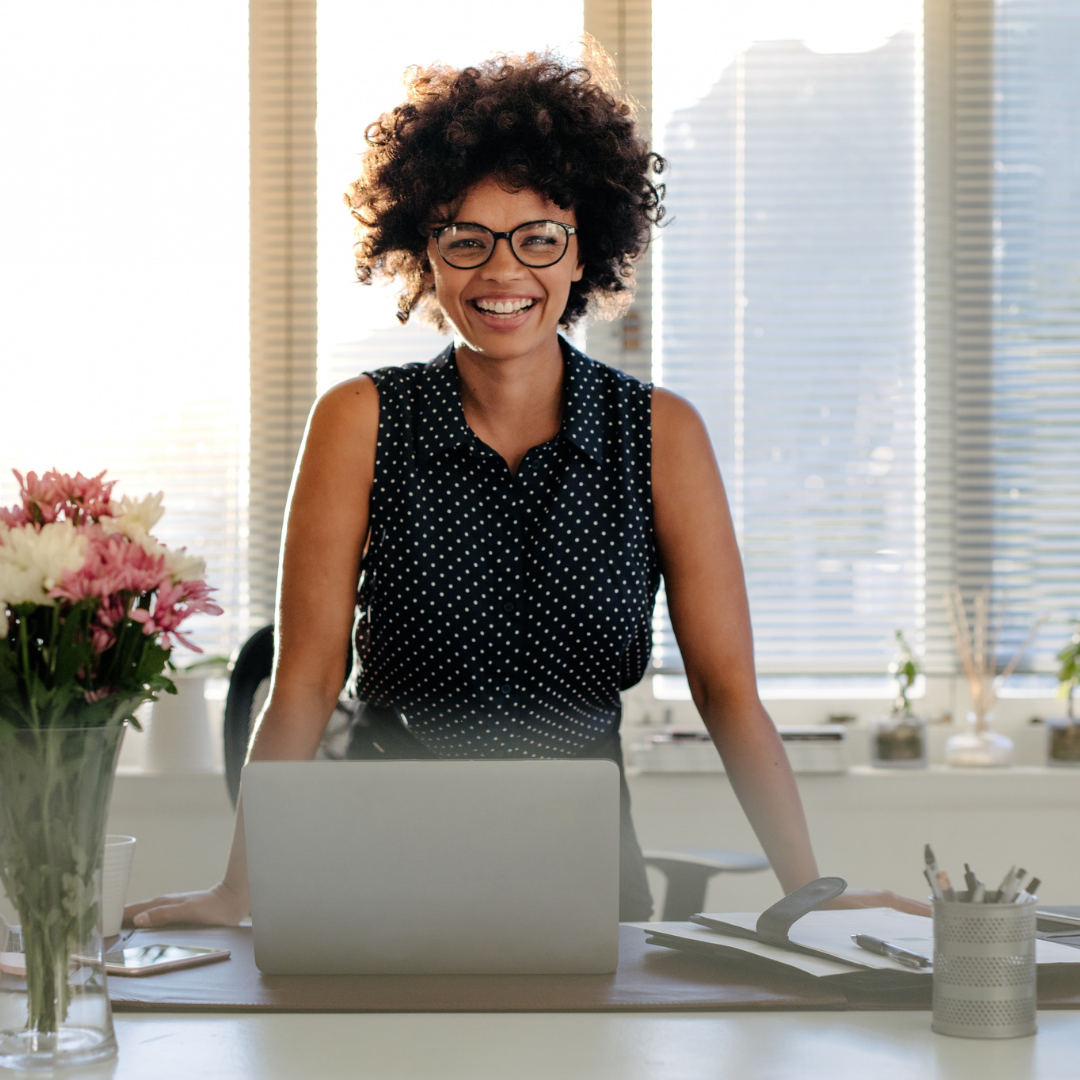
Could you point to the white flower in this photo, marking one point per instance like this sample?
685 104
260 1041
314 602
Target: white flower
32 562
136 517
185 567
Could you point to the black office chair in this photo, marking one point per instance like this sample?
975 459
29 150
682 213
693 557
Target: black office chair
688 873
249 686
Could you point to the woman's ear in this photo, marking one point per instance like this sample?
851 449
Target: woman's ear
579 272
429 274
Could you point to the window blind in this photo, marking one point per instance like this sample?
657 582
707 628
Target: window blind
624 29
1004 175
283 296
1018 325
790 307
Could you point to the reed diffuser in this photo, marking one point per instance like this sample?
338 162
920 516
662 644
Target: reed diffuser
977 649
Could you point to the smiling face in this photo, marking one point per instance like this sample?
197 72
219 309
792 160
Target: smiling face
505 309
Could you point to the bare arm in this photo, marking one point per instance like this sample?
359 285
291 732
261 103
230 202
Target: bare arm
706 597
326 528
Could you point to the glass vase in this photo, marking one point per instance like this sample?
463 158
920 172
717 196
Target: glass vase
55 785
979 745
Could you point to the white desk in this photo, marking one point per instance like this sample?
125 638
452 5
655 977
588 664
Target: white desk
576 1046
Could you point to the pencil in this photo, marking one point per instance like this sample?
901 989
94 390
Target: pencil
945 886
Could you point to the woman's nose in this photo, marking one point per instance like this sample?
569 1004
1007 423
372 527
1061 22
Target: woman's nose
503 261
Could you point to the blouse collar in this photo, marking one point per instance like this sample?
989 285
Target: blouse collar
442 423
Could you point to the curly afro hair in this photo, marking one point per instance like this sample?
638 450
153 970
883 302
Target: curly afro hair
534 122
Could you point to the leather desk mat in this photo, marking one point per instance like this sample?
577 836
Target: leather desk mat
649 977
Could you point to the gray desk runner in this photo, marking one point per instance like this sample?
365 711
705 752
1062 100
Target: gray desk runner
649 978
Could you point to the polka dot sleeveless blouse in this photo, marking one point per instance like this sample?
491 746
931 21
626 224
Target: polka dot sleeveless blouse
501 615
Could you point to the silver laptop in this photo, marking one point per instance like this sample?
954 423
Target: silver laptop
433 867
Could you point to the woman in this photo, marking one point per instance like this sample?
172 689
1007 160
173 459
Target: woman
509 508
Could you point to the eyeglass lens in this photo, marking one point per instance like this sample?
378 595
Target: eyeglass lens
537 243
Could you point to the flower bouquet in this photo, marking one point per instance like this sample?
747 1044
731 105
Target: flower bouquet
91 605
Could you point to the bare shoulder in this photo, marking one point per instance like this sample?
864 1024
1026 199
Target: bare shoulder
354 401
345 421
668 408
679 437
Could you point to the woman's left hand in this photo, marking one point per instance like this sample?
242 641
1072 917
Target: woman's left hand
865 898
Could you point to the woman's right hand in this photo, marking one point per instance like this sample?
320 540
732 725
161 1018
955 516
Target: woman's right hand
219 906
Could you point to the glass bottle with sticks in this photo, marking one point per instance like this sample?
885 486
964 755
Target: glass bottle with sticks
977 648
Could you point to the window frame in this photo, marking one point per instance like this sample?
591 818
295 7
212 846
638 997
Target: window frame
957 165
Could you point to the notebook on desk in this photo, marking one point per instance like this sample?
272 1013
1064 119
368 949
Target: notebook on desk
820 942
433 867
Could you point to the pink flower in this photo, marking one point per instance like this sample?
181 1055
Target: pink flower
173 603
55 494
41 501
89 497
15 517
113 565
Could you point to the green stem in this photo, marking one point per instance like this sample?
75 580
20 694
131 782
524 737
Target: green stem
54 635
24 645
54 787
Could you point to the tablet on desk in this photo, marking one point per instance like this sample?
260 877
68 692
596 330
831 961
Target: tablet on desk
136 960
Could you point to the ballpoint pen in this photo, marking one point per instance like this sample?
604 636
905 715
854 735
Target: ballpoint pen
934 888
893 952
995 897
970 880
931 862
1029 891
1013 891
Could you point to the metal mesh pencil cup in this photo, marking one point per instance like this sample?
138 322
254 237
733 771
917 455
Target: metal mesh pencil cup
984 969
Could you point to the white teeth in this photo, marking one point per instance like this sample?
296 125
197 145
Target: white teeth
504 307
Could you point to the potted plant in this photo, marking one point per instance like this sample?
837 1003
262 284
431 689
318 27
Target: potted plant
1065 732
899 739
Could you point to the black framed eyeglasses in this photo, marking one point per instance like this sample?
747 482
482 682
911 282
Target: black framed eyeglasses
465 245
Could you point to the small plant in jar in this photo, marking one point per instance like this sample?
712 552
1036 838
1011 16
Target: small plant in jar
1065 734
900 738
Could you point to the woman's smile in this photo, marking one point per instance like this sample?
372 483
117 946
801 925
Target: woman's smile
505 312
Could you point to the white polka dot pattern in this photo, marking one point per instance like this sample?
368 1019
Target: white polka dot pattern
501 615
